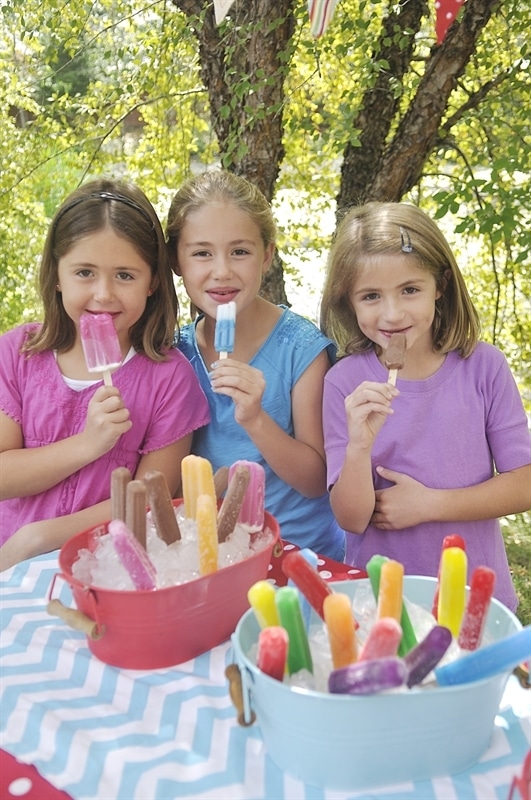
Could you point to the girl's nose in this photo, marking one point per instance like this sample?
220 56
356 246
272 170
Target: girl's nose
103 291
221 266
393 309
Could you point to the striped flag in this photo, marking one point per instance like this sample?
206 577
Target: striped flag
320 13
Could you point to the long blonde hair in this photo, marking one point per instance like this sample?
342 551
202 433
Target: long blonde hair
383 229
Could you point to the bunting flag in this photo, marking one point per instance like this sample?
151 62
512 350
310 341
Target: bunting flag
320 13
445 13
221 9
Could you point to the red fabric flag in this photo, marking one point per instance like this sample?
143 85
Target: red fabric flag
445 13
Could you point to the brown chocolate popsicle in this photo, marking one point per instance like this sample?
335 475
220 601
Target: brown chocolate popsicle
120 477
395 355
232 503
162 510
135 510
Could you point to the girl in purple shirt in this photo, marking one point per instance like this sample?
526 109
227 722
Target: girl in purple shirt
62 432
446 451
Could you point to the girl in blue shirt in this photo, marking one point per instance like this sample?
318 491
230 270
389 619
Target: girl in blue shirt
266 398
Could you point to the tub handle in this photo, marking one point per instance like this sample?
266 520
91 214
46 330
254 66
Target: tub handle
75 619
239 696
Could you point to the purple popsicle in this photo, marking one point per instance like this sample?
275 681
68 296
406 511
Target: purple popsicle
100 344
426 655
368 677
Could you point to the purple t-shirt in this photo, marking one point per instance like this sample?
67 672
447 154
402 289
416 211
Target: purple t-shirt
454 429
164 400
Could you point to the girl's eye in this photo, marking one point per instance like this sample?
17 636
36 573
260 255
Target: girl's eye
410 290
371 296
125 276
84 273
201 253
240 251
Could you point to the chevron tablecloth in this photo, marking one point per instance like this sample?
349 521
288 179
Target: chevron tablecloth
101 733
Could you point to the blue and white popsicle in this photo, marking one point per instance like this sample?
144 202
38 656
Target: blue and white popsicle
225 329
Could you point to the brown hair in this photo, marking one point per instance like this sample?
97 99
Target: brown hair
125 209
387 228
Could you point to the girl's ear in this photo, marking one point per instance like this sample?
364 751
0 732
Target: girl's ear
441 288
268 257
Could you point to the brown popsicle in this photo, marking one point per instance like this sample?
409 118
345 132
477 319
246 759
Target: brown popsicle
135 510
120 477
221 481
162 510
230 507
395 355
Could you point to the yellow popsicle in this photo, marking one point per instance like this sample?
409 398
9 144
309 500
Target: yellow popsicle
261 598
337 609
452 589
197 479
390 591
207 534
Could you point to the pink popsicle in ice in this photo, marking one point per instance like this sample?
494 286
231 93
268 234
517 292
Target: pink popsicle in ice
225 329
272 651
133 556
252 510
100 344
473 625
452 540
382 640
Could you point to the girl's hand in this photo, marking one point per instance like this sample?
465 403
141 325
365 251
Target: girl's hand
244 384
107 419
367 408
400 506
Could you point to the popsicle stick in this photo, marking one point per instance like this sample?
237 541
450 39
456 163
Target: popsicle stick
393 374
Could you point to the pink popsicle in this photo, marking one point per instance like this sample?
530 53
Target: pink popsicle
272 651
133 556
473 625
383 639
100 344
308 580
453 540
252 511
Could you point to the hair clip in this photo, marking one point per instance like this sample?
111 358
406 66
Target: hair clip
405 241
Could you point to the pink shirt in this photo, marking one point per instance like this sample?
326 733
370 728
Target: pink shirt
164 400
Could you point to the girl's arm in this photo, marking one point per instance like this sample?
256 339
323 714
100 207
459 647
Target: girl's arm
29 471
46 535
353 497
409 502
298 460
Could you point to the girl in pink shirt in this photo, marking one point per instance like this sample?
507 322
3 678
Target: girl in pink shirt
62 432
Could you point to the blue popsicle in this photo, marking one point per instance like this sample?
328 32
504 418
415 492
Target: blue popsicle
225 329
498 657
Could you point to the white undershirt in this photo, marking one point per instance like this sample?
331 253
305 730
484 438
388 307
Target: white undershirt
78 386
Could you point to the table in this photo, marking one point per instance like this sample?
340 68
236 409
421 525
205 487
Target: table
101 733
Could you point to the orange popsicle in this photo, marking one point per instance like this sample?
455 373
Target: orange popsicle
341 625
207 534
390 591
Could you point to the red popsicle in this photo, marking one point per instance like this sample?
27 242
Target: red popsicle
473 625
272 651
307 579
453 540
